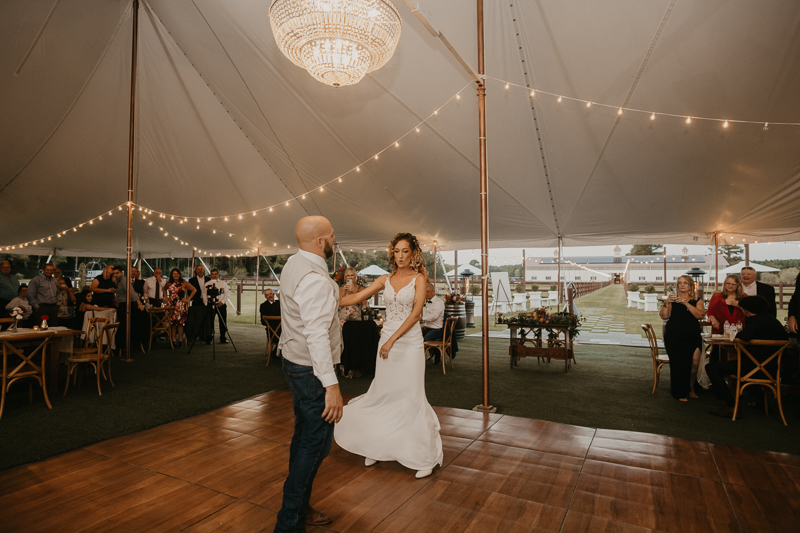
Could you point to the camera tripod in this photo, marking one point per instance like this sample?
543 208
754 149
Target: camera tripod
212 303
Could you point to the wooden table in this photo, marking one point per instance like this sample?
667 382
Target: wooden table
61 341
559 348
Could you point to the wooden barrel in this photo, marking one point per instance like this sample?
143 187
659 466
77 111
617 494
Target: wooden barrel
459 311
469 307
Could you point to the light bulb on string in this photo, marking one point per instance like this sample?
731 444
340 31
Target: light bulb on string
376 156
533 93
725 124
619 111
396 144
688 120
653 116
506 86
559 100
588 104
340 180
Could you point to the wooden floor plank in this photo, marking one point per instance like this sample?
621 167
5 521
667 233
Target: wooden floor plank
653 499
241 516
525 474
585 523
757 469
540 435
451 507
766 511
656 452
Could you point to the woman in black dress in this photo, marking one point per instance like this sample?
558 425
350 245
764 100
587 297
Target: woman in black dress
682 337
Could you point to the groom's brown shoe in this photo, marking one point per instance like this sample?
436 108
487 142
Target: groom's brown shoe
315 518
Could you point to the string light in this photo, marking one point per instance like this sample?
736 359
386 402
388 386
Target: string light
653 116
588 104
725 125
559 99
619 111
688 120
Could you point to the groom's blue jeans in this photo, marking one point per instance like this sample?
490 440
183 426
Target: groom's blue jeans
310 445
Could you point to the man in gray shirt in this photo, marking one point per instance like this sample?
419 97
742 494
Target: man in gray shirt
43 296
137 310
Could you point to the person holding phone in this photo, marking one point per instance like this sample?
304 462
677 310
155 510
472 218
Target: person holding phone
350 312
682 337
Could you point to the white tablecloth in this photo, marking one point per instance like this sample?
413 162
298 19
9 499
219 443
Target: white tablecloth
110 314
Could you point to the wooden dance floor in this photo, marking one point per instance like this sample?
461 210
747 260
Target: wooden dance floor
224 471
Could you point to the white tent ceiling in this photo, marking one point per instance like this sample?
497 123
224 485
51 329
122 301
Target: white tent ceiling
227 125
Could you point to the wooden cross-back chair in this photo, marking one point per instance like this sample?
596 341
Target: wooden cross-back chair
272 334
5 321
759 375
94 329
99 358
658 360
27 368
160 322
445 345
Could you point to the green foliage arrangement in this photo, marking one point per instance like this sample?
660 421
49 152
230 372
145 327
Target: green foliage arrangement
534 287
650 289
632 287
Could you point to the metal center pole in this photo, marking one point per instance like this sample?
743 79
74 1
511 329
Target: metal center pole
131 133
484 184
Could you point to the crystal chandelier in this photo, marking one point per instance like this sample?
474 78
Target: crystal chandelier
336 41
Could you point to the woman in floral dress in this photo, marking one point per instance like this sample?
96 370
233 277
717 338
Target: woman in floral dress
178 293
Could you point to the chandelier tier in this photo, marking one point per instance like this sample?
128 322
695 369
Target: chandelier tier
336 41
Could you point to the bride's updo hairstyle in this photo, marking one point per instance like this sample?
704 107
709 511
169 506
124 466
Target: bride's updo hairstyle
417 261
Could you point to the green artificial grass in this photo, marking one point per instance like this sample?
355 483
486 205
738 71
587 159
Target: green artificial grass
609 388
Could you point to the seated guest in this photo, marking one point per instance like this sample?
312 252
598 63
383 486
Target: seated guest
350 312
724 305
433 319
66 304
104 287
154 288
9 287
271 307
21 301
760 325
751 287
42 294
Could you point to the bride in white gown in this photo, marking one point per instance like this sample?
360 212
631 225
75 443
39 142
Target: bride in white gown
393 421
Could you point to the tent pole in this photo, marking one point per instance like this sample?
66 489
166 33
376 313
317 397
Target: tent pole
665 268
434 266
747 254
524 279
484 188
558 276
131 132
258 267
716 260
455 272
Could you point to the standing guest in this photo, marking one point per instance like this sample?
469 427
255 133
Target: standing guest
178 293
751 287
218 287
271 307
137 310
43 296
154 288
9 286
794 307
66 304
21 301
58 276
760 325
198 322
103 288
433 319
682 337
350 312
137 283
311 345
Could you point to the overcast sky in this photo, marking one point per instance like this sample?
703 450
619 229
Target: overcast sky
510 256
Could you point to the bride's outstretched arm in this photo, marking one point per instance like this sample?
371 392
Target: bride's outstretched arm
420 287
366 294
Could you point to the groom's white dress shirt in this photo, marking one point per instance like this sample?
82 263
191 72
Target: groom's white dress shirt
315 296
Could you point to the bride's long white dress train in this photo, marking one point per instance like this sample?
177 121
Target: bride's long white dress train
393 421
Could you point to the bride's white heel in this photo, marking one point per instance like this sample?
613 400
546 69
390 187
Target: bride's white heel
369 462
423 473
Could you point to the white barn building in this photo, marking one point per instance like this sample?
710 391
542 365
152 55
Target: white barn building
647 269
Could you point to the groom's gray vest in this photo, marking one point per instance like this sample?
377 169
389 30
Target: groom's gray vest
293 344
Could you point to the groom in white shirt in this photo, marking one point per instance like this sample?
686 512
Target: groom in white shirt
311 344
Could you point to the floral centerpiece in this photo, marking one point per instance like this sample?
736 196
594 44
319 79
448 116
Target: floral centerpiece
44 322
455 298
16 314
540 317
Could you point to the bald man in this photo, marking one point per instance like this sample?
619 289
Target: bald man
311 344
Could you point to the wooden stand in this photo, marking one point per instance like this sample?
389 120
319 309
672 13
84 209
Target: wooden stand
559 348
